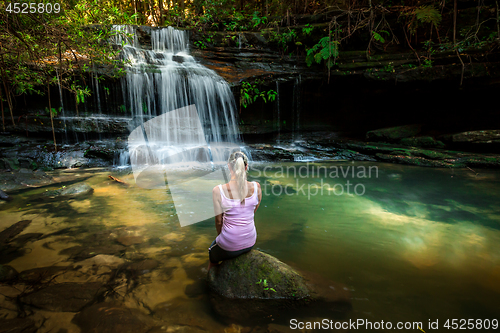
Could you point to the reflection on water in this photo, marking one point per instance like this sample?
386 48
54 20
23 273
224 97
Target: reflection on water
418 244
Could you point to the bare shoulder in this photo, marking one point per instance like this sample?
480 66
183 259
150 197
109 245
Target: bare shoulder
258 185
216 190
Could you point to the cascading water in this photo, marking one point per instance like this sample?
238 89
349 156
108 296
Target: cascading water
62 106
297 92
185 124
167 78
277 119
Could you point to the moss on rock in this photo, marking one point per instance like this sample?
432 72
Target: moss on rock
257 275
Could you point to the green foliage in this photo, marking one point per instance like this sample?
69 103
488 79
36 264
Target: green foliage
284 39
307 29
378 37
257 20
200 44
265 285
80 93
427 63
325 50
250 93
428 14
54 111
422 15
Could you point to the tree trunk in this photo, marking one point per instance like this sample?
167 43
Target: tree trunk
160 5
51 119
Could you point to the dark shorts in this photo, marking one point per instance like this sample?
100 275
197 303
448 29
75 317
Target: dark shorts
216 253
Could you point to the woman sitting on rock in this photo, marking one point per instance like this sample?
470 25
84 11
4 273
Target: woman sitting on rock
235 204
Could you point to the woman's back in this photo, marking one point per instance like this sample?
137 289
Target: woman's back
238 228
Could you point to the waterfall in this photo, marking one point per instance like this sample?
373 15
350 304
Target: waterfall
297 90
277 119
62 106
167 78
185 121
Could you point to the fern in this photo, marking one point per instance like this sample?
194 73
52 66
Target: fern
428 14
425 14
326 49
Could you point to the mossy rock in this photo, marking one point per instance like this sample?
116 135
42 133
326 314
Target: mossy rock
422 141
394 133
257 275
255 287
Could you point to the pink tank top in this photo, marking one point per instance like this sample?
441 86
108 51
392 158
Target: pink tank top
238 227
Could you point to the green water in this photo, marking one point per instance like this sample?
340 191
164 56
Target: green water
416 244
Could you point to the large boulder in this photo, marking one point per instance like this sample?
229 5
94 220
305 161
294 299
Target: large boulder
257 275
257 285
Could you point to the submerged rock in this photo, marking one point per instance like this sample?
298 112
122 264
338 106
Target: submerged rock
12 231
5 196
7 273
111 318
65 297
74 190
18 325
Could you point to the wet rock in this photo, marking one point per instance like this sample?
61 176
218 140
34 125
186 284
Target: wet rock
18 325
143 267
79 253
243 278
112 318
25 238
130 240
256 286
7 273
40 274
100 152
75 190
64 297
99 261
12 231
422 141
5 196
184 313
256 283
9 163
486 136
393 133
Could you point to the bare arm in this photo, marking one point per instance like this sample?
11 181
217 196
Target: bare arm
217 209
259 193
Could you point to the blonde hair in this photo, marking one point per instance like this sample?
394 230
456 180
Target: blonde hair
238 161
